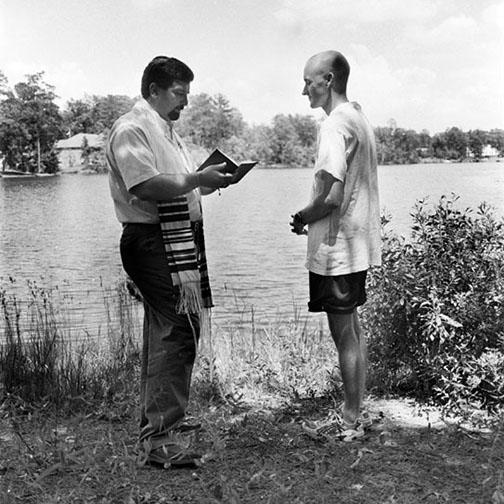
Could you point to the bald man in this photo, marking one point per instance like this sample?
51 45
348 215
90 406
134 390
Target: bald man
343 222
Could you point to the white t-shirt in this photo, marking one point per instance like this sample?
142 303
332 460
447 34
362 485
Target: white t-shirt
142 145
348 239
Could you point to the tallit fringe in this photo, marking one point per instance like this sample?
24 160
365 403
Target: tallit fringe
190 299
205 320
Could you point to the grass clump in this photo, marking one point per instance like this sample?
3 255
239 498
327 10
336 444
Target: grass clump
41 364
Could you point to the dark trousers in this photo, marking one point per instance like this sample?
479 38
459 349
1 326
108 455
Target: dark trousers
169 338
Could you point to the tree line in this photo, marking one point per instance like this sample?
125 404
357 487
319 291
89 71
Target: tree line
31 123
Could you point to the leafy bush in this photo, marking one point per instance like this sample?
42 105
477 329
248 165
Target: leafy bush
435 316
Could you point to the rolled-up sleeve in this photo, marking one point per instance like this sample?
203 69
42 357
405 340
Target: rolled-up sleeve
133 155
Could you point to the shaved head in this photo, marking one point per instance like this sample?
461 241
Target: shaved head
330 62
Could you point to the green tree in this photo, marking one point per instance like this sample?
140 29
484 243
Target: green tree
95 114
228 120
406 145
258 146
283 139
77 117
384 144
425 147
12 133
30 124
495 138
456 142
106 110
4 84
306 129
476 140
293 140
439 146
210 121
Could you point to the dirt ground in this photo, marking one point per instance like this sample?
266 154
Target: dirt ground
254 455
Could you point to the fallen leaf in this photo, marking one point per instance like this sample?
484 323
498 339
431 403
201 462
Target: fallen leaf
360 454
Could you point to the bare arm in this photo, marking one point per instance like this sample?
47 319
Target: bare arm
166 186
329 198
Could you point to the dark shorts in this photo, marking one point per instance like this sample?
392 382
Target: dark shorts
337 294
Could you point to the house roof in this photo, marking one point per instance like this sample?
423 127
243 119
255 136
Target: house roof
75 142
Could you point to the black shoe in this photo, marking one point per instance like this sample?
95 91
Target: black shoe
172 457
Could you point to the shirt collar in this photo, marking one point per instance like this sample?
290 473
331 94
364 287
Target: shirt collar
340 106
166 126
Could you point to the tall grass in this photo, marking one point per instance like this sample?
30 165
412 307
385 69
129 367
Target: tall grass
41 362
268 365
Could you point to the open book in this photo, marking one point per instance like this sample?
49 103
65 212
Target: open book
239 170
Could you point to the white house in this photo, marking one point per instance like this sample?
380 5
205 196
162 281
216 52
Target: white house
489 151
70 150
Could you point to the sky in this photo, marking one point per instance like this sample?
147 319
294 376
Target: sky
426 64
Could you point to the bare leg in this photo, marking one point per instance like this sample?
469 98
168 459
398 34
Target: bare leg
352 353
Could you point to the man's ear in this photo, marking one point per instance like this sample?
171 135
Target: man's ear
153 89
329 78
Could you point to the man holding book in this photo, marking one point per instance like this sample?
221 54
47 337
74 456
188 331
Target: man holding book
157 196
343 222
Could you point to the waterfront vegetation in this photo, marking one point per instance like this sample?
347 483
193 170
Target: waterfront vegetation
31 123
435 326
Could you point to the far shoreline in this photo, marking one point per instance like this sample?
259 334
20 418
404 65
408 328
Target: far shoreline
431 161
278 166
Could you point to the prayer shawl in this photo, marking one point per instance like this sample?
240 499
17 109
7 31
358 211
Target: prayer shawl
185 250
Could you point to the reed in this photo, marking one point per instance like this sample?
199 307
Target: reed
41 362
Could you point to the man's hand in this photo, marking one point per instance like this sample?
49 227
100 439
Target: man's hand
214 176
297 225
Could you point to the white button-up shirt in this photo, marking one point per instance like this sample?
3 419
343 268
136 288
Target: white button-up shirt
142 145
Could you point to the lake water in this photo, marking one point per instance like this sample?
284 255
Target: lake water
62 232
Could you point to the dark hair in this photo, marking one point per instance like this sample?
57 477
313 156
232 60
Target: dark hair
341 70
163 71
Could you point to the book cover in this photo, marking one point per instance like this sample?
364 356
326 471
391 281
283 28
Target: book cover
239 170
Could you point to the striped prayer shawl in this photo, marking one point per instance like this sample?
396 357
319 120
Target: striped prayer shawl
185 250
